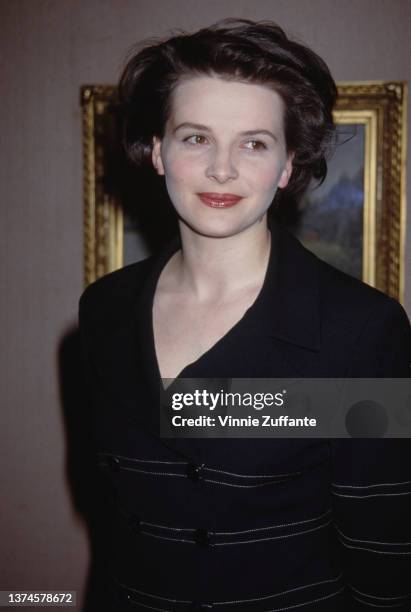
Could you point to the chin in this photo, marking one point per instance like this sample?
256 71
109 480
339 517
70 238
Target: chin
219 229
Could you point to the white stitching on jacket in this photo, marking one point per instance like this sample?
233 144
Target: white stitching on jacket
103 455
281 537
142 460
370 495
383 484
308 602
379 596
188 529
367 603
251 475
182 601
372 541
129 469
275 526
159 537
245 486
377 552
276 609
300 588
212 533
238 601
166 527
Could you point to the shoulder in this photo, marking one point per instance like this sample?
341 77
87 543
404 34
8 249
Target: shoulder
110 296
357 326
351 298
376 324
340 298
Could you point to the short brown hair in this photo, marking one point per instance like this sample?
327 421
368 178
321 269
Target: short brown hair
240 50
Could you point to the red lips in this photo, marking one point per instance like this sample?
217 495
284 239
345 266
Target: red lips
219 200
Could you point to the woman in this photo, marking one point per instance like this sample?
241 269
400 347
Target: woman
234 117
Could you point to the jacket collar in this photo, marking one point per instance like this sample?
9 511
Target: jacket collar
288 306
287 309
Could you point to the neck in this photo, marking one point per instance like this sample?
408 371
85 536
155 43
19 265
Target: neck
209 267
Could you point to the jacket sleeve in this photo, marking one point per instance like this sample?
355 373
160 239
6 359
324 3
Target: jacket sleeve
371 480
90 325
86 367
100 498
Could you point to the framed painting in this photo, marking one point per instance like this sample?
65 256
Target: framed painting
355 220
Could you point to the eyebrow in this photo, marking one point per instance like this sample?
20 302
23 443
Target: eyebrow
204 128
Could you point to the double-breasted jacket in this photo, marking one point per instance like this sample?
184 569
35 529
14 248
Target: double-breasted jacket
236 525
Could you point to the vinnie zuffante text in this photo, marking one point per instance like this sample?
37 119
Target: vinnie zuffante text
211 401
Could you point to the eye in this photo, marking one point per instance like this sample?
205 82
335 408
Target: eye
255 145
196 139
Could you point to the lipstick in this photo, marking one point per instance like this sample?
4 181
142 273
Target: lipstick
219 200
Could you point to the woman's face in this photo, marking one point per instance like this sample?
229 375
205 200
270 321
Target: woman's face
223 154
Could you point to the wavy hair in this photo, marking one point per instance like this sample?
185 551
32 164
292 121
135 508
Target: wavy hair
238 50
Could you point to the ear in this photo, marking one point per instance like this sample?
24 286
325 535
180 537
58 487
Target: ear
156 156
286 173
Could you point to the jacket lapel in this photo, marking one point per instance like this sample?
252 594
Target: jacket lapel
286 311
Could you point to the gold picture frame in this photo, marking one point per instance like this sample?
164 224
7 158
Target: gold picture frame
380 107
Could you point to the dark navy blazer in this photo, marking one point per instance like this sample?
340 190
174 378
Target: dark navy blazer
239 525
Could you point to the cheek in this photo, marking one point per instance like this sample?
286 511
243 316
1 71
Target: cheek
265 178
181 177
180 171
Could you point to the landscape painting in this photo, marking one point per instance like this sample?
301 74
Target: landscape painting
331 216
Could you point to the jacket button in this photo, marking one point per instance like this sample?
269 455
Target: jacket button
202 537
114 463
135 523
195 472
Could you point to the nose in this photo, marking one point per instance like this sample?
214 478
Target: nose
222 167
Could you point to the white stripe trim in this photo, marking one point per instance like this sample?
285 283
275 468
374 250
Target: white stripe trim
372 541
265 597
307 603
142 460
370 495
145 594
367 603
159 537
251 475
282 537
383 484
245 486
378 596
227 533
377 552
240 601
130 469
167 528
212 534
275 610
316 518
